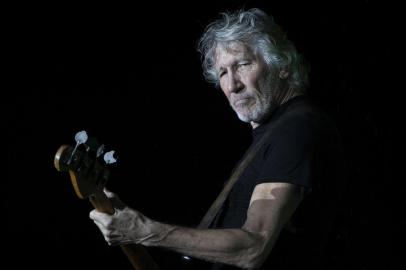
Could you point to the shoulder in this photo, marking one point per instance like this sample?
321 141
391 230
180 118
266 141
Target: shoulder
302 118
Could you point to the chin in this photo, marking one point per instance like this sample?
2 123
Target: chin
244 119
244 116
247 118
252 113
256 117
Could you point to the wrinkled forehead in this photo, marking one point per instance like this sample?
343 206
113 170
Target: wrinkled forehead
229 51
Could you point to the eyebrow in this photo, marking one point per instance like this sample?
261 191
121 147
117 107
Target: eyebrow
236 61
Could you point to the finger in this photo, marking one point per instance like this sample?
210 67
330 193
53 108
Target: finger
113 242
93 214
125 242
109 194
113 197
114 238
109 236
119 242
117 239
103 229
117 203
102 218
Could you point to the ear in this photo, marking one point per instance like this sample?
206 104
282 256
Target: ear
283 74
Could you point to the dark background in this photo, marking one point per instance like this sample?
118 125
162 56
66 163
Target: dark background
130 76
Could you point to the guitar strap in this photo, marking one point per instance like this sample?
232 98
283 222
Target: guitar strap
218 203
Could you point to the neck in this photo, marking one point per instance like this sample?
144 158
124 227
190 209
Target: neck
291 94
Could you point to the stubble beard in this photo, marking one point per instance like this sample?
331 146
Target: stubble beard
258 106
254 111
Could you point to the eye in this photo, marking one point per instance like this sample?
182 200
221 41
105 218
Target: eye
243 65
222 73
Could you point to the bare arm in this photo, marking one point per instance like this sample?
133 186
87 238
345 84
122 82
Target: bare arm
272 204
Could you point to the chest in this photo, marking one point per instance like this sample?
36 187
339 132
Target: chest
236 205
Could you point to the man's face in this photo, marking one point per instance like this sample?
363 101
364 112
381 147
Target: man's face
245 80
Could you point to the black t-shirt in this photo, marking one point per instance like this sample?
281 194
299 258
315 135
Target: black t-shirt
303 148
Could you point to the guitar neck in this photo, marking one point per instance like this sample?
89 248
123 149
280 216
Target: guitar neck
102 203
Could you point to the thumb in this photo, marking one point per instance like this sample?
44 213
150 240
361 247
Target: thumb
117 203
109 194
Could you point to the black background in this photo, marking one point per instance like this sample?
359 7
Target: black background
130 76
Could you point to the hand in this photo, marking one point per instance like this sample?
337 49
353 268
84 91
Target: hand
124 226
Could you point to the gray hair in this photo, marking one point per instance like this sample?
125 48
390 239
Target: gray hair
258 31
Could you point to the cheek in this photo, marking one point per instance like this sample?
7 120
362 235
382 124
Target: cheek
224 91
253 77
223 87
263 82
253 83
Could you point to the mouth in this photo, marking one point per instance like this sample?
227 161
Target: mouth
241 102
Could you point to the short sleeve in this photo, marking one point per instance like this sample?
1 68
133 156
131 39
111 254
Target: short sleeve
290 155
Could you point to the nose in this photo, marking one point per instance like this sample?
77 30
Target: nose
234 84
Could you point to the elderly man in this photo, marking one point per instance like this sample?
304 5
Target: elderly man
280 210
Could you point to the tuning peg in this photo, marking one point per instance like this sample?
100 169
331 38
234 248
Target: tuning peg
81 137
109 157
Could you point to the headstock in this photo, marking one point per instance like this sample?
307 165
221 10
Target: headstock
87 163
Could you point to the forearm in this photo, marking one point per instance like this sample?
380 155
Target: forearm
237 247
247 247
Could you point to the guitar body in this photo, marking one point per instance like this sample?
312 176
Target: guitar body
88 176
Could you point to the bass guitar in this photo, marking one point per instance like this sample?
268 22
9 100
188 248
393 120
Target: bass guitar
88 166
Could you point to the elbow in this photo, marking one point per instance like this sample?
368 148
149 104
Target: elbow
253 263
256 255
